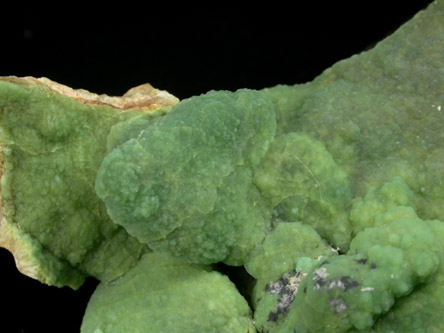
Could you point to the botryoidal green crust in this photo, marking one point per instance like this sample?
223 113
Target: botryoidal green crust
52 145
302 181
329 193
163 294
184 185
307 287
379 116
379 113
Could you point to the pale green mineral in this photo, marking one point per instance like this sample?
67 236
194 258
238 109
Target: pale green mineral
163 294
330 193
276 264
282 249
379 114
303 182
352 290
52 142
419 312
365 211
184 184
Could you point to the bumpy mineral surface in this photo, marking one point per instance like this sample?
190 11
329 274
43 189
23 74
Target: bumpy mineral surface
53 140
163 294
329 194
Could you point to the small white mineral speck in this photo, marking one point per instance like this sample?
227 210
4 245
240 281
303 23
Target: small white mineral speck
321 273
337 305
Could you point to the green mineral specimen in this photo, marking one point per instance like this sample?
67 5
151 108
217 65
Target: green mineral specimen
52 145
288 247
392 194
419 311
304 183
163 294
329 193
282 249
351 290
184 184
379 114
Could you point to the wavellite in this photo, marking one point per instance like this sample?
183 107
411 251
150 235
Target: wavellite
329 193
164 294
53 140
184 184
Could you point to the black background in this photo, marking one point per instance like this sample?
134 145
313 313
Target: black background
186 51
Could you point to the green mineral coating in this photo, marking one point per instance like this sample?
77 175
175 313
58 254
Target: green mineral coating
419 312
184 184
268 179
392 194
282 249
380 113
285 249
53 147
303 182
163 294
350 291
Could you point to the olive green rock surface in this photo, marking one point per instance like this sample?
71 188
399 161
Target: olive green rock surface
52 145
163 294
